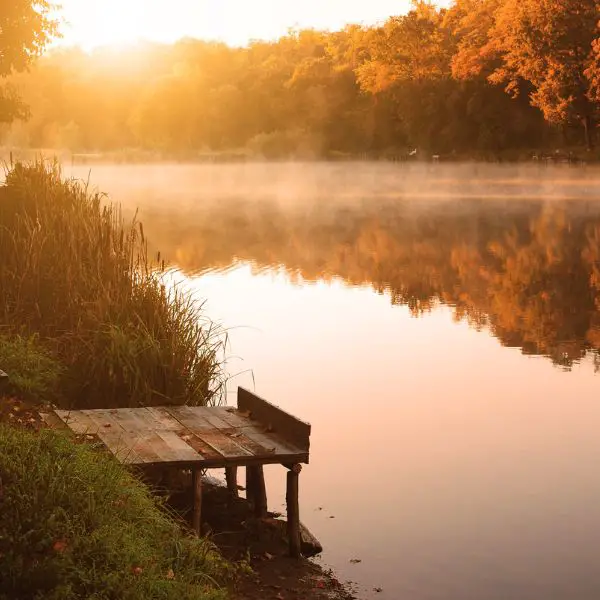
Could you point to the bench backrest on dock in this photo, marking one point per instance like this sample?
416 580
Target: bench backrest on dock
274 418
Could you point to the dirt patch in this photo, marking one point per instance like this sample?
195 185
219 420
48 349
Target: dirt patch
18 413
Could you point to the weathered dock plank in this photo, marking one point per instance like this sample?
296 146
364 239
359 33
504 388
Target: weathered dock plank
197 438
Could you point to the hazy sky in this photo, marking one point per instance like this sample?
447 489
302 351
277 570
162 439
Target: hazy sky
91 23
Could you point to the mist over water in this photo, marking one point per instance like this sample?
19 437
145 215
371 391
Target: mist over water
188 184
439 325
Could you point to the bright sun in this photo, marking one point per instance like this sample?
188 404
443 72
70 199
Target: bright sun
92 23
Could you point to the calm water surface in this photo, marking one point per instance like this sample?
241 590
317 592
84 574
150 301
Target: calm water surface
439 327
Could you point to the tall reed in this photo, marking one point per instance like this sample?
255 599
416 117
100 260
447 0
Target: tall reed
74 272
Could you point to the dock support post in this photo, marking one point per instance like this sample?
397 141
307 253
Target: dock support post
256 491
197 500
293 510
231 478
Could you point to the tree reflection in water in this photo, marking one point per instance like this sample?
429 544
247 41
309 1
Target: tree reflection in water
528 271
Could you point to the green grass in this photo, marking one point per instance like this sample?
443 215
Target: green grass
73 272
34 373
74 524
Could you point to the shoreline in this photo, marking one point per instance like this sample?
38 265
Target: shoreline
256 546
575 156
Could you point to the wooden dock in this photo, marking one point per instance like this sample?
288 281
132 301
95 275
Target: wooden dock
252 435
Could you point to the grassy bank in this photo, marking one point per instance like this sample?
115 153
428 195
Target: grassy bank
86 319
76 275
74 524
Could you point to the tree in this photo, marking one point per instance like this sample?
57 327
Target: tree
414 47
549 44
26 28
471 22
408 68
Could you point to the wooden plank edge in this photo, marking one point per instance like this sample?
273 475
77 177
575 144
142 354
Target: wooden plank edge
232 462
53 421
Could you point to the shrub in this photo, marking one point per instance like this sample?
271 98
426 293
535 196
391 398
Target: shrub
34 373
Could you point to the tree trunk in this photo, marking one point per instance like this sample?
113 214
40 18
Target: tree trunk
588 127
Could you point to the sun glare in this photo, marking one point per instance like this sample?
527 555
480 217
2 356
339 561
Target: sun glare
93 23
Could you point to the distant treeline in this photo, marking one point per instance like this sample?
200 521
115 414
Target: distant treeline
484 77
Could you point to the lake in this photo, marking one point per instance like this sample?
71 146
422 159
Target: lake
439 326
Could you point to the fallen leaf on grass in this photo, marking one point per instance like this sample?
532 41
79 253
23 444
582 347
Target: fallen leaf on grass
137 570
59 546
170 574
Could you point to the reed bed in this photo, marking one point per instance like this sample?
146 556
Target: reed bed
76 274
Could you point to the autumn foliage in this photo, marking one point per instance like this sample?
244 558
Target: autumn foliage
482 76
